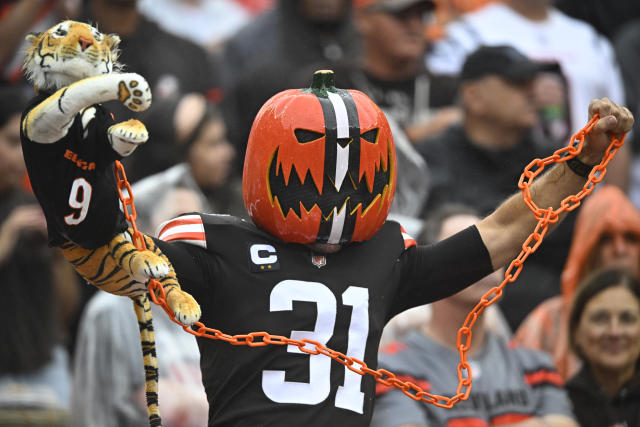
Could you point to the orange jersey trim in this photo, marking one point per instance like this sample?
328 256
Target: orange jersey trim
544 376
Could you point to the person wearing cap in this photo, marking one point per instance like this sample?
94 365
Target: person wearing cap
494 142
391 71
313 283
479 161
585 61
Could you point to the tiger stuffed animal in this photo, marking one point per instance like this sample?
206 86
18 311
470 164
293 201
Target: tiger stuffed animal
70 143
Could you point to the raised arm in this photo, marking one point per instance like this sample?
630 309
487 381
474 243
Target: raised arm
50 120
504 231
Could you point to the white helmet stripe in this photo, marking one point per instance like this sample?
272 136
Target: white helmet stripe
337 224
342 125
342 119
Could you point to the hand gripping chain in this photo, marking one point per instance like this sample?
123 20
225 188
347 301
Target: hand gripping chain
531 244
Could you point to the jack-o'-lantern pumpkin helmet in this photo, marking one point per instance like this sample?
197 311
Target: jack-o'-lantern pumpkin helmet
320 165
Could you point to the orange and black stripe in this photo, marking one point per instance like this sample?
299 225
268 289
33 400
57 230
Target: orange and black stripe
544 376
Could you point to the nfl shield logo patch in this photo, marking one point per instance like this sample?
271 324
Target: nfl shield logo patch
318 260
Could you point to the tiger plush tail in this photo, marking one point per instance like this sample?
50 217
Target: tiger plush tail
99 268
142 307
121 269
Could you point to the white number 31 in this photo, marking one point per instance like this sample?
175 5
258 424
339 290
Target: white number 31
318 388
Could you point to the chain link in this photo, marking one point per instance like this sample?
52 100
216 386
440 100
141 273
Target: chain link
382 376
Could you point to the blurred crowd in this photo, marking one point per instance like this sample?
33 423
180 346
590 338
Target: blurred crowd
473 91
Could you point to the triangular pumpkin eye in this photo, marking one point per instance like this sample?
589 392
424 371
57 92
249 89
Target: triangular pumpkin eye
370 135
303 135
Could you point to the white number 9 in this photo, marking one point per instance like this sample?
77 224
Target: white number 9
79 200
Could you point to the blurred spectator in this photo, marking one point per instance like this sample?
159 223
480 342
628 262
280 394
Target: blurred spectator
391 72
509 385
298 32
206 169
607 17
108 373
412 180
627 46
479 162
34 376
604 330
173 67
392 69
416 317
263 57
606 235
19 17
205 22
585 63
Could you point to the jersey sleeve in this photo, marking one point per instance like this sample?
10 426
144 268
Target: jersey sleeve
99 127
436 271
193 265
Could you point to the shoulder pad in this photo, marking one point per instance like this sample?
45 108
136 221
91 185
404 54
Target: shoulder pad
186 228
408 240
192 228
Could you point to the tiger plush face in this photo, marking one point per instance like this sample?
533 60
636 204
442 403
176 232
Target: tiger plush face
68 52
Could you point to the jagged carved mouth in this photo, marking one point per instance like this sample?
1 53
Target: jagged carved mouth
297 195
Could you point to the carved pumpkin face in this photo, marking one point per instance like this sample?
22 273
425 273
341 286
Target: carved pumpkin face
320 165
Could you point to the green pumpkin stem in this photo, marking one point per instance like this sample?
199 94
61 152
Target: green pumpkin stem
323 82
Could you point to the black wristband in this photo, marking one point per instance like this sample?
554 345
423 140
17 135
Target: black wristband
579 168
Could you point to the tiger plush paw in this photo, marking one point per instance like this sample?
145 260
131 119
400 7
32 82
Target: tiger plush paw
134 92
140 265
125 137
99 268
146 265
184 306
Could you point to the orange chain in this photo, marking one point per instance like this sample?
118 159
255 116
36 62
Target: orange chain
544 217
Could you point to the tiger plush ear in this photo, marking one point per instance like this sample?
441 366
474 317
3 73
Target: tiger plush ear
113 41
32 37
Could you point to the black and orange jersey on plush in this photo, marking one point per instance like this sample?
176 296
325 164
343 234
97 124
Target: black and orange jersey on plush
74 181
246 280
